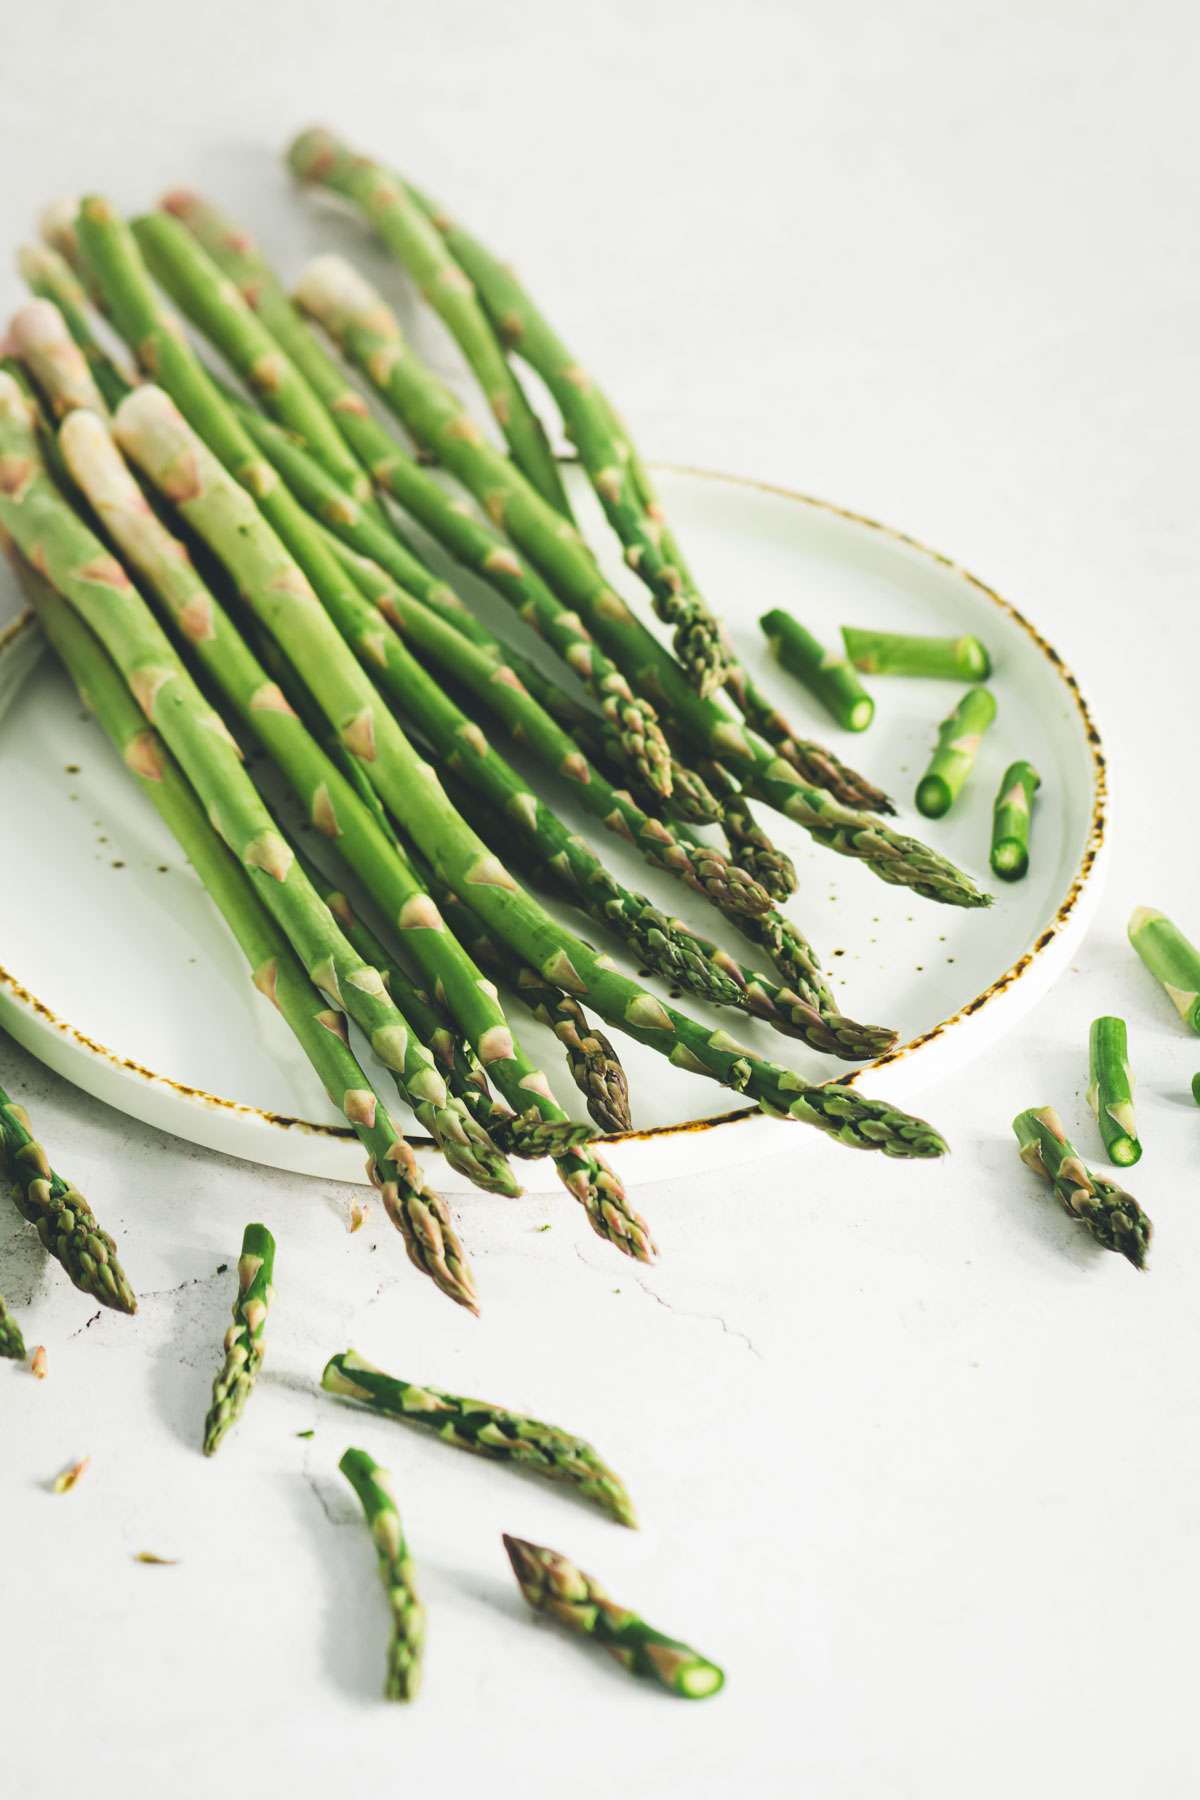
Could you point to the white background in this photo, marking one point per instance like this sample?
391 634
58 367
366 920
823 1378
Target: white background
915 1462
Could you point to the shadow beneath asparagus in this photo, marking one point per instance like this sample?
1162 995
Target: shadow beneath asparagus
354 1617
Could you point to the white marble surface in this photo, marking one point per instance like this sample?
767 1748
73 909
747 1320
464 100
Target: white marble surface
915 1463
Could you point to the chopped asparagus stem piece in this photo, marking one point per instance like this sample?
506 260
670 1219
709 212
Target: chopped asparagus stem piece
554 1585
829 677
904 653
954 754
1113 1217
1011 816
1171 959
1110 1090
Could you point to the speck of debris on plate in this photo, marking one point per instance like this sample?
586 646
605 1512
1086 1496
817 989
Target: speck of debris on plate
62 1484
118 865
545 1227
221 1268
306 1434
160 1562
72 768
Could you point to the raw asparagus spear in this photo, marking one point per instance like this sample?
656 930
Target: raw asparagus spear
419 1214
373 1486
1171 959
333 807
1113 1217
1011 818
475 544
51 278
75 561
436 623
489 1430
355 315
12 1344
903 653
1110 1090
244 1339
38 334
1196 1088
827 676
65 1222
410 237
553 1585
749 846
953 758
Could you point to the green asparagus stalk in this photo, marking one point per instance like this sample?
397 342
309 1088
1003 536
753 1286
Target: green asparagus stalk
1196 1088
244 1339
476 545
373 1486
828 677
65 1222
489 1430
357 318
1110 1090
38 334
1171 959
75 561
1113 1217
12 1344
51 278
436 625
1011 818
953 758
410 237
553 1585
419 1214
903 653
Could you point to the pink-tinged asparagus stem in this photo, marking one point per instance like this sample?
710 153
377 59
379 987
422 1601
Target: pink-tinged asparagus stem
38 334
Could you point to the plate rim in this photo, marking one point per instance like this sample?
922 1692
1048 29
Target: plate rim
20 996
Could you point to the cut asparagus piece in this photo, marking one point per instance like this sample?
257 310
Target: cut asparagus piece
826 675
356 316
65 1222
244 1339
12 1344
1011 820
316 156
1112 1216
1196 1088
906 653
373 1485
554 1585
1110 1090
958 740
489 1430
418 1214
1171 959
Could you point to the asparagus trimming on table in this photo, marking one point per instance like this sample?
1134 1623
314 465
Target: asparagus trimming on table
12 1344
830 678
64 1221
1012 819
420 1215
76 562
552 1584
357 318
235 1379
477 545
908 653
1110 1090
958 740
1112 1216
1173 961
489 1430
373 1485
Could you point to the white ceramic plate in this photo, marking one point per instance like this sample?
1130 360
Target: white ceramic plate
117 971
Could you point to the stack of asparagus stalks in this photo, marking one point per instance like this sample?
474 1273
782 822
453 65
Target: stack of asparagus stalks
226 572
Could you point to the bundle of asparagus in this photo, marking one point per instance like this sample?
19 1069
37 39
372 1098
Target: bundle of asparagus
324 637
